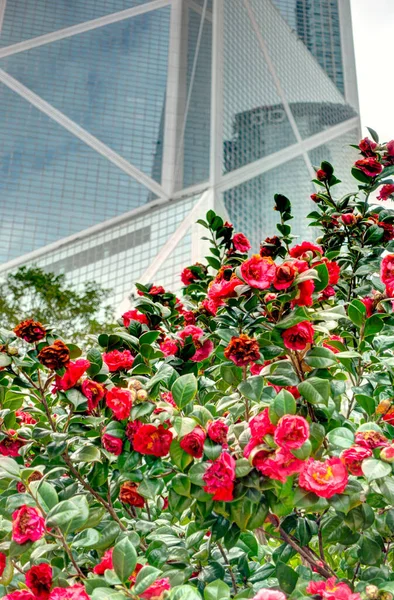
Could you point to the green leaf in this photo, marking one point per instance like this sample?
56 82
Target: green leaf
184 390
287 577
341 437
86 539
103 593
357 312
323 280
283 404
373 134
217 590
87 453
9 467
231 374
242 467
145 578
373 325
369 552
252 388
184 592
179 457
46 494
366 402
375 469
315 390
296 316
320 358
5 360
69 515
124 559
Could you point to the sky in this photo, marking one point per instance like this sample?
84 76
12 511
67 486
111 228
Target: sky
373 32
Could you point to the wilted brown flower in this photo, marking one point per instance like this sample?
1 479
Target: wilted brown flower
55 356
242 350
129 494
30 331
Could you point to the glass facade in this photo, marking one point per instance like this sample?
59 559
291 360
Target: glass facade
107 106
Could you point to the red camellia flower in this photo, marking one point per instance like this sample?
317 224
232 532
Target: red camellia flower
386 191
306 251
156 590
116 360
219 478
203 347
129 494
131 429
367 147
241 243
370 439
30 331
74 592
258 272
242 350
74 372
325 479
217 431
169 347
291 431
284 276
19 595
25 417
187 276
390 148
94 392
261 425
39 580
3 560
10 446
105 563
193 443
134 315
389 416
333 338
304 293
279 465
119 401
331 590
298 336
387 269
369 166
348 219
321 175
112 444
152 440
268 594
353 457
27 525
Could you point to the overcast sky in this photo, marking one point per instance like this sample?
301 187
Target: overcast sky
373 31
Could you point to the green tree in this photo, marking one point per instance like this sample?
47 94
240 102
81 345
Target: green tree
32 293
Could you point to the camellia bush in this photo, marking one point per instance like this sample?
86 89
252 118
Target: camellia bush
237 443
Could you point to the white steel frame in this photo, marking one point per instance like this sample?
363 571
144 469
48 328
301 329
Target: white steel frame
175 117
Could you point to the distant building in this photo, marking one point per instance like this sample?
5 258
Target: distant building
125 120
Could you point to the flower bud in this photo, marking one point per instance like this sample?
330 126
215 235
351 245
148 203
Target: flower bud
142 395
270 297
348 219
386 596
134 384
383 406
11 351
387 454
372 592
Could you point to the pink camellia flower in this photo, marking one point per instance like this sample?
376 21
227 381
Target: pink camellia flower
285 275
367 147
112 444
74 592
19 595
27 525
256 368
105 563
369 166
353 457
304 293
25 417
306 251
119 401
387 269
299 336
325 479
267 594
187 276
169 347
74 372
116 360
348 219
217 431
241 243
369 304
331 590
278 465
291 431
39 580
370 439
3 560
203 346
390 148
94 392
333 338
258 272
193 443
134 315
219 478
223 289
261 425
157 589
386 191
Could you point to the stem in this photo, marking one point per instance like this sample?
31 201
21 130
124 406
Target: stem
227 563
247 409
69 553
321 548
148 510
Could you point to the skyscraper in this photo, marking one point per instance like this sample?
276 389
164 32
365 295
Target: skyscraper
125 120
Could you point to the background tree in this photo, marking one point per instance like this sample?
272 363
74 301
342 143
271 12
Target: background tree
31 292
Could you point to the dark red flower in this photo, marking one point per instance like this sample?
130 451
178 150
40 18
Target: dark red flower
299 336
304 293
193 443
217 431
241 243
3 560
187 276
129 494
94 392
30 331
112 444
131 429
386 191
369 166
105 563
285 275
219 478
348 219
306 251
39 580
367 147
10 446
270 246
